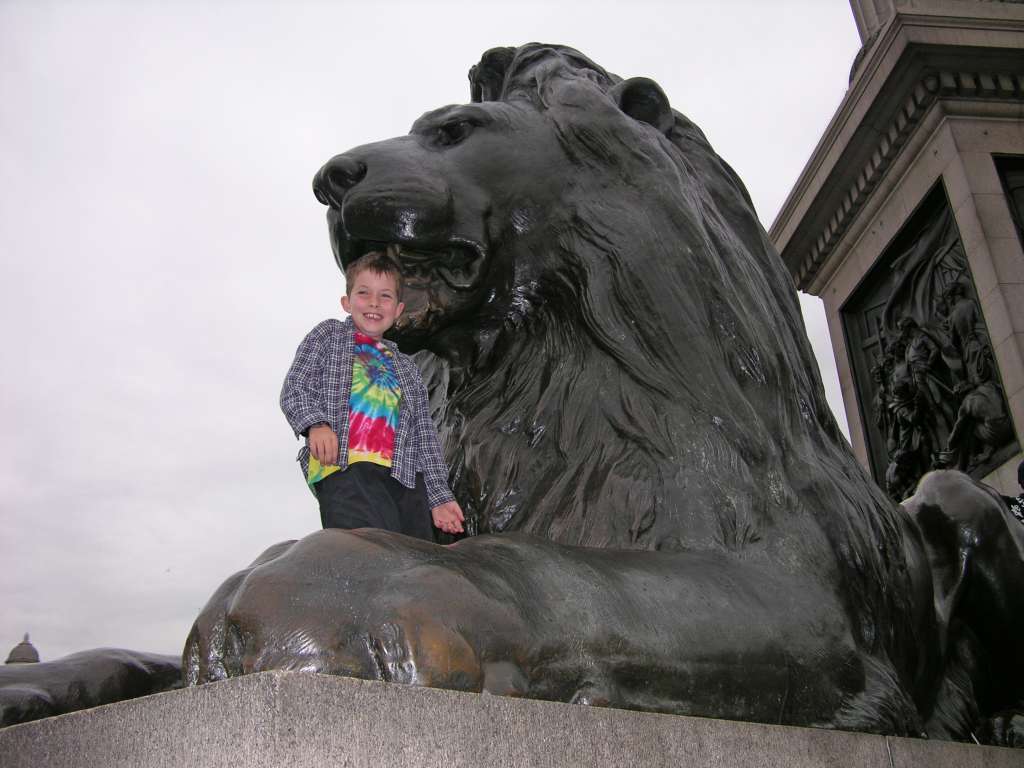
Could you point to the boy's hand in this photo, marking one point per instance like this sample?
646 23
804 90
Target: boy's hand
448 517
323 444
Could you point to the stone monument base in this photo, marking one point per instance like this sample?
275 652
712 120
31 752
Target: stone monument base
299 719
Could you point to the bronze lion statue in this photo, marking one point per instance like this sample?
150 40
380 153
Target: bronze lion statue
82 680
666 516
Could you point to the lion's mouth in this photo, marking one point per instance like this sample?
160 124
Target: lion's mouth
459 265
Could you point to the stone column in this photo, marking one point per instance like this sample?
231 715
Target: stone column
933 121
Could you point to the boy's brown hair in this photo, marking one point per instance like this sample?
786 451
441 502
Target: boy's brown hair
378 262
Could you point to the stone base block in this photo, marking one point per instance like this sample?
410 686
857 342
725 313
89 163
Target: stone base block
297 720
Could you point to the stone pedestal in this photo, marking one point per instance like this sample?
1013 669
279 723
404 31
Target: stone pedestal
299 719
935 111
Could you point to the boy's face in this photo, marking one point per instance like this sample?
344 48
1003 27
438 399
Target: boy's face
373 303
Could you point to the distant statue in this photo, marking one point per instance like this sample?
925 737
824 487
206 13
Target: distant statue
23 653
668 517
29 691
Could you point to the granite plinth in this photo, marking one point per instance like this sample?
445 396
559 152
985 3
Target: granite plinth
299 719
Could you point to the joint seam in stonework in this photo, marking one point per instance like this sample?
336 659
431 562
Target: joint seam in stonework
943 84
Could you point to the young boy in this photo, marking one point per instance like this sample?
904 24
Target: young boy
372 456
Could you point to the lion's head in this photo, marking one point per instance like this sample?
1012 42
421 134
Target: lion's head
625 359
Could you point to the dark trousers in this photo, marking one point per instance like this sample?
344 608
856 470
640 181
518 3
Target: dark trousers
365 495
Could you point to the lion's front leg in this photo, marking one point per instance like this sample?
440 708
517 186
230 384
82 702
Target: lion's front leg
355 603
514 615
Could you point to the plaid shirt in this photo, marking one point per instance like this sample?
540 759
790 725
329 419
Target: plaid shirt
317 389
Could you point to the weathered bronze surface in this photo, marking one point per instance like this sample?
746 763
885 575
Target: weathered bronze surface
633 413
82 680
923 359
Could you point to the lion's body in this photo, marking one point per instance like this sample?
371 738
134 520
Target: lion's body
623 370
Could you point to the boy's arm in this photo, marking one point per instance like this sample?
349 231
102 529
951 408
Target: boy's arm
300 394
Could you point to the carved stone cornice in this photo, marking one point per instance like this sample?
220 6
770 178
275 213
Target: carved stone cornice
983 85
916 62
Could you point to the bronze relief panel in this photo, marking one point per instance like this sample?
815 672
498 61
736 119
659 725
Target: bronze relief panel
927 383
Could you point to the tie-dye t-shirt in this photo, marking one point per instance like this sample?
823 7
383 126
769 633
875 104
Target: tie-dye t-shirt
372 408
373 404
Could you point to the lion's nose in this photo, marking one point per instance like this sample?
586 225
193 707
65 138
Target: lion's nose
339 175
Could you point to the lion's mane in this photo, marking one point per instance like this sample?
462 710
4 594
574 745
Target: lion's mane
650 384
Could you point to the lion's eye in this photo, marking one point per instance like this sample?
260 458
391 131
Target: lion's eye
454 131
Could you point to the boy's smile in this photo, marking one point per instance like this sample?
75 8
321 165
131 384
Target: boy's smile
373 303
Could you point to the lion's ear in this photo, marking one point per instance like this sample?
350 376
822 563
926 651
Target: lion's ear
642 99
487 78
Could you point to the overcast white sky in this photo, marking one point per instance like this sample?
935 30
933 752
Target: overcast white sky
161 253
